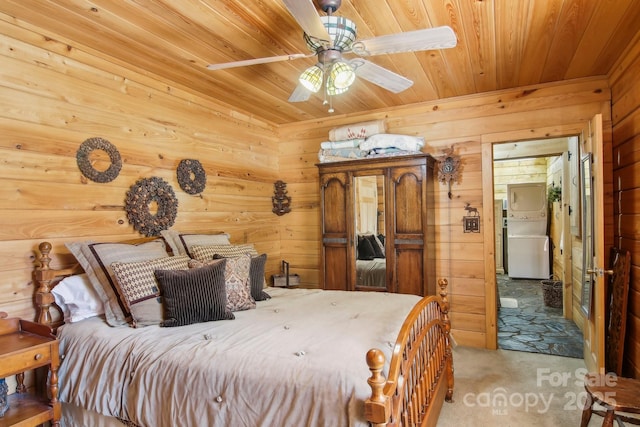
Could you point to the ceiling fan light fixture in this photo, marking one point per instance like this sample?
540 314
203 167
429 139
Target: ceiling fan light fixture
341 75
311 78
342 31
332 90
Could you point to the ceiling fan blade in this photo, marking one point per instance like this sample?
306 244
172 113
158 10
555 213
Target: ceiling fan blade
380 76
411 41
258 61
300 94
304 11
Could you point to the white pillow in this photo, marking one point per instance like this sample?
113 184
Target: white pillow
77 298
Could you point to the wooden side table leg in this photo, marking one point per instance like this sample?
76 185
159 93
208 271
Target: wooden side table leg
53 395
20 380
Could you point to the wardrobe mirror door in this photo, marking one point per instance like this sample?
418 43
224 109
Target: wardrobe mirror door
587 235
369 213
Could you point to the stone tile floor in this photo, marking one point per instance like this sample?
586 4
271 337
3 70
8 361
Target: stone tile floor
534 327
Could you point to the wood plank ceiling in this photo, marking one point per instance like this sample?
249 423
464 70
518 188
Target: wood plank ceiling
501 44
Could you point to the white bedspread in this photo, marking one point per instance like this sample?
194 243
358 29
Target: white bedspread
296 360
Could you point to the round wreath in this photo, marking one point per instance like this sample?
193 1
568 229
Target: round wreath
191 176
87 169
144 192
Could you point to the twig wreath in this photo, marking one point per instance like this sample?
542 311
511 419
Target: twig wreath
191 176
144 192
87 169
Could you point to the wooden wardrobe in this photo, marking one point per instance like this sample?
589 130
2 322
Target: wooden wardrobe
405 222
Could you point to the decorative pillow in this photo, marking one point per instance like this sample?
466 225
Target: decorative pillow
181 243
236 278
77 299
378 248
204 253
194 296
140 288
365 249
257 278
96 260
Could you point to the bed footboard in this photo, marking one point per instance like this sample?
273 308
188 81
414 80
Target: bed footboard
420 374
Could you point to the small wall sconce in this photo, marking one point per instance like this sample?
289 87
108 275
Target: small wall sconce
281 202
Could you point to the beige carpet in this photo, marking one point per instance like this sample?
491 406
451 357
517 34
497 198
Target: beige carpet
514 389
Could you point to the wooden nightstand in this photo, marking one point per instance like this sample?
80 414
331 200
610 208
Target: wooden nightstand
25 346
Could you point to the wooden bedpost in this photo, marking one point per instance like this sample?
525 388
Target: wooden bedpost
443 283
378 409
43 276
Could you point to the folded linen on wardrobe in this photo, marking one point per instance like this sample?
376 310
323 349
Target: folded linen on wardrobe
357 130
390 140
348 143
390 152
341 154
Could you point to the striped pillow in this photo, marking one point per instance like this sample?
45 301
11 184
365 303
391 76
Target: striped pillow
256 278
195 295
140 288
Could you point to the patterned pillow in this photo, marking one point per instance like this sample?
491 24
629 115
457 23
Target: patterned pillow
96 260
194 296
140 288
181 243
236 278
206 252
257 279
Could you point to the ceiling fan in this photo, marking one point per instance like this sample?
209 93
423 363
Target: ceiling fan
329 37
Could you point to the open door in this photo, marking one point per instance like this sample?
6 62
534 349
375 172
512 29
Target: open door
594 256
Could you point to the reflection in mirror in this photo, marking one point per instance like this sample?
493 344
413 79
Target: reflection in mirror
369 211
587 233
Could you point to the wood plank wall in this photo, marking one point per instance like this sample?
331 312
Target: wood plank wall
625 92
517 172
470 125
54 96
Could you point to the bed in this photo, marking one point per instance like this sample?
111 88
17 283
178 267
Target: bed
371 273
371 265
301 357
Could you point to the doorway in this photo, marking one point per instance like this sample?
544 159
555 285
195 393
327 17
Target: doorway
533 314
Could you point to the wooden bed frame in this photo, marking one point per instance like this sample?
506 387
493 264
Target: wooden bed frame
420 376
